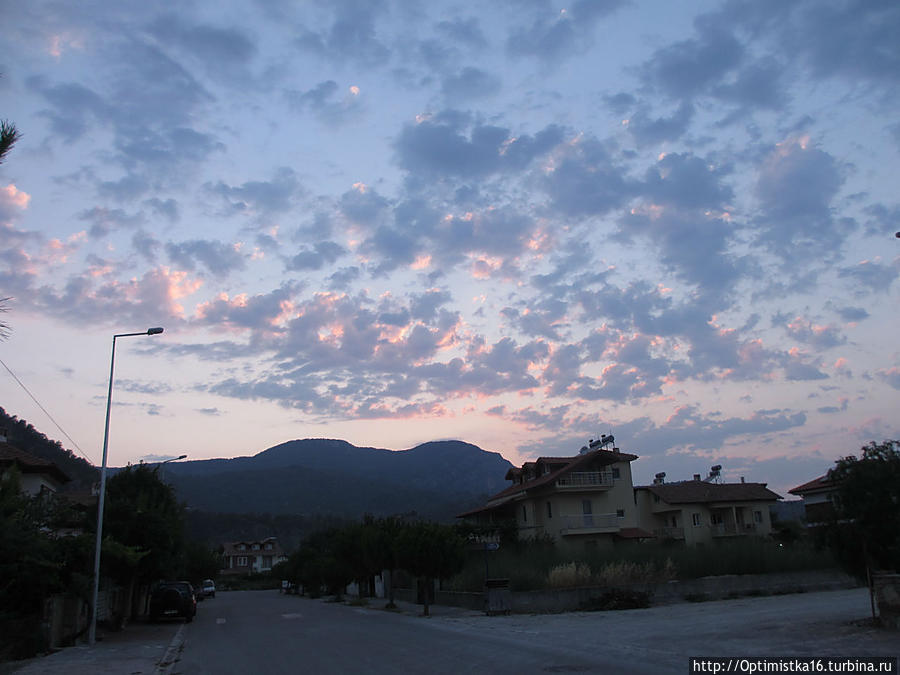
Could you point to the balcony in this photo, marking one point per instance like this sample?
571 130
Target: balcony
591 523
732 530
669 532
585 479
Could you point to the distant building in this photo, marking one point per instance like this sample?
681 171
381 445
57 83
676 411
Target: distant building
589 500
583 501
698 511
252 557
38 476
820 497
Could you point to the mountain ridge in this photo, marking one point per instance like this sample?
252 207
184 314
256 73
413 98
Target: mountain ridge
436 479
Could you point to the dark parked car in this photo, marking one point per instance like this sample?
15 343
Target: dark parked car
173 598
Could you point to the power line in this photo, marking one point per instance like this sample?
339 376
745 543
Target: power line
63 431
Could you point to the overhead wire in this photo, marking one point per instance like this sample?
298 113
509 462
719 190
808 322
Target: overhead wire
38 403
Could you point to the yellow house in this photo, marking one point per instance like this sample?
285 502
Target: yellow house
583 501
698 511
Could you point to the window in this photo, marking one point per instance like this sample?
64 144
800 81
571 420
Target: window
695 517
255 547
267 562
656 499
549 510
615 473
524 514
268 547
620 513
715 519
242 561
757 517
242 547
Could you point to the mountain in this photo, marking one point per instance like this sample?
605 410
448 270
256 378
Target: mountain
325 477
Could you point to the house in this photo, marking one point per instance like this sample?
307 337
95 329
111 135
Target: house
252 557
582 502
38 476
820 497
698 511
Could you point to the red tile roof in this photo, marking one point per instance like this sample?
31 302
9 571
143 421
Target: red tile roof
820 484
634 533
700 492
28 463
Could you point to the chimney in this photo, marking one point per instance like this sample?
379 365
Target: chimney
696 476
742 479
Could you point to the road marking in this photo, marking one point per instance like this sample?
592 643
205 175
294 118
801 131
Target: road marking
220 620
292 616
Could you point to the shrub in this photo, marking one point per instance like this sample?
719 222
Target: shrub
569 575
617 599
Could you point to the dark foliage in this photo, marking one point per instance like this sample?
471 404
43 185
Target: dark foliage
25 437
618 598
866 531
35 563
142 514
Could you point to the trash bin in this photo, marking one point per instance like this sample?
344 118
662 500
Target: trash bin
496 596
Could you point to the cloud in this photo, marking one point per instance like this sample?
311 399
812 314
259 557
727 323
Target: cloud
468 84
450 145
321 254
259 197
327 103
554 37
351 35
795 186
691 67
219 258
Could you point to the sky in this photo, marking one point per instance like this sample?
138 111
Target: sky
518 224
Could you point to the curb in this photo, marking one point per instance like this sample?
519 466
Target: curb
173 653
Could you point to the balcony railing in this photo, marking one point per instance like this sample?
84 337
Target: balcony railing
591 521
669 532
582 479
732 530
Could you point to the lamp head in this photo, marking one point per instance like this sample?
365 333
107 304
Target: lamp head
155 331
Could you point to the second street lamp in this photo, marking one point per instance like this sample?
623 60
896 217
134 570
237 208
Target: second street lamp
92 632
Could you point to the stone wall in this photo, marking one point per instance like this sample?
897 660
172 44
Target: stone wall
706 588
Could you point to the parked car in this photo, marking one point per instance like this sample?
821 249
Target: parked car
173 598
207 589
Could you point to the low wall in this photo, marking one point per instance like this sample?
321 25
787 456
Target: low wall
886 587
706 588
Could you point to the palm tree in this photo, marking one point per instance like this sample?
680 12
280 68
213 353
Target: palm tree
4 327
8 137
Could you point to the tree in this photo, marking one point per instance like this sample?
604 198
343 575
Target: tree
4 326
8 137
143 527
431 551
867 527
35 564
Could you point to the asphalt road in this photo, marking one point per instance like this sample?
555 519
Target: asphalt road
266 632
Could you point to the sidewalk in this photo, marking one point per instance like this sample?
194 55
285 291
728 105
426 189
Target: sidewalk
139 649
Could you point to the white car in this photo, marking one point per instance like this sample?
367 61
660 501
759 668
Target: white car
207 589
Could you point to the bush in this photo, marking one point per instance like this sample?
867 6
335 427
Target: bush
569 575
617 599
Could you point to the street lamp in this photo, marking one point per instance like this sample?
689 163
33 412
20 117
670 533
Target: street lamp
92 632
162 464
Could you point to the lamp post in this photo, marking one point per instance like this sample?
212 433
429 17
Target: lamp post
92 632
162 464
